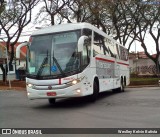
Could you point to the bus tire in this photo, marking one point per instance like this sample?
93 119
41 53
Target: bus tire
94 96
121 88
52 101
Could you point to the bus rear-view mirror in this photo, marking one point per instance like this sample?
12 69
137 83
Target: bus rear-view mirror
81 43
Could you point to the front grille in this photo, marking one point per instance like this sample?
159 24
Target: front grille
53 87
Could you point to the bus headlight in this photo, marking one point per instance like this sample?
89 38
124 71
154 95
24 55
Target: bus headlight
29 85
75 81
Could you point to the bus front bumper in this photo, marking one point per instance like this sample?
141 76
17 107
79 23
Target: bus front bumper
71 91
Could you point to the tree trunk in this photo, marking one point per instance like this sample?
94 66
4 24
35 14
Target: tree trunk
3 70
155 60
158 68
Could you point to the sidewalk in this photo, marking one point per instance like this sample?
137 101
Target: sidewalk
15 85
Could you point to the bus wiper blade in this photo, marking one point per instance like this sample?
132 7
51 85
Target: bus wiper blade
59 67
45 60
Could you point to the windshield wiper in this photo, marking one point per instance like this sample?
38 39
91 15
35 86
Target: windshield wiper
59 67
45 60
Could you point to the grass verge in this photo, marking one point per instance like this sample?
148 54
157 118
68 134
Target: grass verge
144 81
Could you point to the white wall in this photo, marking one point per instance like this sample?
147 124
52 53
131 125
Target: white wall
142 66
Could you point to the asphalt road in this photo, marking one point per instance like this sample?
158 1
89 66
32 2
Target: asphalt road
134 108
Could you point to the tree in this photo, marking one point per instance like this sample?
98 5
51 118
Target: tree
50 11
110 16
133 19
148 24
78 11
65 10
137 19
13 19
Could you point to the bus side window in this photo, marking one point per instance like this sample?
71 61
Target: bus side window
124 53
99 44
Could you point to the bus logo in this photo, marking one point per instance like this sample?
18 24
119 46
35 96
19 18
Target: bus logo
49 87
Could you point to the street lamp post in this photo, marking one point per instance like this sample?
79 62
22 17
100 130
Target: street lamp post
8 68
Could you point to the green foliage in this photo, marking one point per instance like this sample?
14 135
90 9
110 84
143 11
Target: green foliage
144 79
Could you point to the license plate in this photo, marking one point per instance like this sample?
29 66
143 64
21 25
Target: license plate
51 93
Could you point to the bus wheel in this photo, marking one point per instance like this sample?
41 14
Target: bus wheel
95 92
52 100
121 89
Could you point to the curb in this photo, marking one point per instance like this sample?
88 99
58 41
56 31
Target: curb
142 86
24 88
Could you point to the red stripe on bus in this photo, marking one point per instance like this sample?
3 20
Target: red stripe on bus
107 60
60 81
123 63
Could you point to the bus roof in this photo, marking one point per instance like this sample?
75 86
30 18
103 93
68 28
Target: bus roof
64 27
69 27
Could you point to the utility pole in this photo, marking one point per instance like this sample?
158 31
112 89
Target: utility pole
8 67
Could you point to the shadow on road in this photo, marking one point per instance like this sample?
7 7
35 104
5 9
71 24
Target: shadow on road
73 102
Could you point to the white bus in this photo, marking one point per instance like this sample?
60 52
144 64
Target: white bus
74 60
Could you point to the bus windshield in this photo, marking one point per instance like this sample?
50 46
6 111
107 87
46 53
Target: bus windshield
53 54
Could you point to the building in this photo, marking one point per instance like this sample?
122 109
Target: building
17 63
141 65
